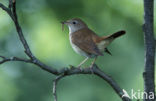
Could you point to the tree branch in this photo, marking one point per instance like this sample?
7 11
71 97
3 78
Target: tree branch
11 10
55 84
94 71
148 28
5 59
20 32
28 52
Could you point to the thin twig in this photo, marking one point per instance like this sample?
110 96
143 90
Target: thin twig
94 71
54 86
10 4
13 15
20 33
5 59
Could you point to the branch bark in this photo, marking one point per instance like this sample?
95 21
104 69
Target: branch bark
94 71
5 59
148 75
11 10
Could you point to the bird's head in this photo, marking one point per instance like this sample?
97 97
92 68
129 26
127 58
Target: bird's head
75 24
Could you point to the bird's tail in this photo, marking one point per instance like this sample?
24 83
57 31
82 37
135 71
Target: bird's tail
117 34
106 40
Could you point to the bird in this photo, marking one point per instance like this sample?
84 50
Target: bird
86 42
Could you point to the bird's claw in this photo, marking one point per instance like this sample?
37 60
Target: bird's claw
79 67
71 67
91 68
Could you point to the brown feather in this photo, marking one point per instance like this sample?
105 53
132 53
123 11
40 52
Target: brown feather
110 37
83 38
104 41
114 35
117 34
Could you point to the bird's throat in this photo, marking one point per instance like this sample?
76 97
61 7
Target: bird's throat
73 29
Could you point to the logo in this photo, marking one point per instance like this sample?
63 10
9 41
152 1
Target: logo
138 94
125 94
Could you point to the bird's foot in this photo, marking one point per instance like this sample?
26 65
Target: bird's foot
71 67
91 68
79 67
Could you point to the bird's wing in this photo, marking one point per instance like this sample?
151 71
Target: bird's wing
83 39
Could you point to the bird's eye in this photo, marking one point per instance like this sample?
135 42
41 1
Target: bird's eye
74 22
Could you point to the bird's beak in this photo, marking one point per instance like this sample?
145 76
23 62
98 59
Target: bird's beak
64 23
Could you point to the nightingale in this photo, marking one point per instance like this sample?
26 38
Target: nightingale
86 42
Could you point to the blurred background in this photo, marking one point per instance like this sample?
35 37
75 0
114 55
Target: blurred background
40 20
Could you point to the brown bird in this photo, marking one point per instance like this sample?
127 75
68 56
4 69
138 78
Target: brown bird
86 42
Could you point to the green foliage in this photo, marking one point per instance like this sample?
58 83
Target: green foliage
7 88
40 20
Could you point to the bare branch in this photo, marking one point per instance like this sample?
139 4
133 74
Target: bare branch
20 33
95 71
149 83
10 4
5 59
54 86
28 52
3 7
